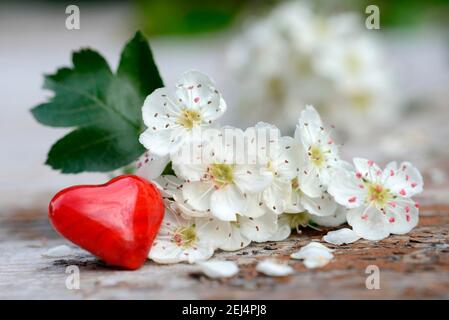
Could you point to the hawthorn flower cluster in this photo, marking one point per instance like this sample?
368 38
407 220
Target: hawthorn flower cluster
225 187
295 56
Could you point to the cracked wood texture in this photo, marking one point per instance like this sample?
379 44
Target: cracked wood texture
412 266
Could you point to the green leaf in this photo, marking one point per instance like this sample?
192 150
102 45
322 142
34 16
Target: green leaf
98 149
104 108
137 64
79 92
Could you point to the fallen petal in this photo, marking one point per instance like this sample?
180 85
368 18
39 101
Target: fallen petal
219 269
274 269
59 251
314 254
341 236
317 262
310 249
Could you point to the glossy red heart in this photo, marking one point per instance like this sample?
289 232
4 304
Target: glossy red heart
116 221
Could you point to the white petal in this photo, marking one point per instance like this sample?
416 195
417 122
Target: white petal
321 206
198 194
402 215
347 189
310 182
59 251
235 239
316 262
165 252
197 91
314 255
274 269
405 181
214 231
341 236
161 142
227 202
308 129
200 252
369 222
219 269
188 171
312 249
252 178
368 169
294 205
283 231
150 166
259 229
159 108
169 185
277 196
254 206
334 220
287 160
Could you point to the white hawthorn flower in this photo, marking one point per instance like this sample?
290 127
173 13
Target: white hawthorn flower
171 188
174 118
225 235
220 184
322 206
350 59
379 201
178 240
151 166
320 153
235 235
282 161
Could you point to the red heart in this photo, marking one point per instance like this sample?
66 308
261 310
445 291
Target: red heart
116 221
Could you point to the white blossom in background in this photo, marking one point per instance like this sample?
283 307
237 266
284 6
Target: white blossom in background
294 56
379 201
173 118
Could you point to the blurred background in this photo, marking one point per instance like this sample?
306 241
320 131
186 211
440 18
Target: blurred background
386 90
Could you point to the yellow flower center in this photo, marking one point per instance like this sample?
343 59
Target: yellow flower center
185 236
298 220
222 173
317 156
276 89
295 184
352 62
188 118
377 194
361 100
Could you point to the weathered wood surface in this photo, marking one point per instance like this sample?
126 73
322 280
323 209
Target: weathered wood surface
415 265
